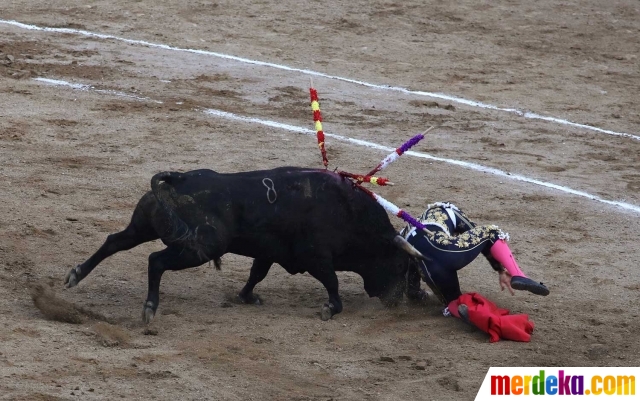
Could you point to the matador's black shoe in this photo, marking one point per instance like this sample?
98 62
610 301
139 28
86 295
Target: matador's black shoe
525 283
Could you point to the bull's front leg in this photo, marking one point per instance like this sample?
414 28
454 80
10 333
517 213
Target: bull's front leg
259 270
325 273
415 294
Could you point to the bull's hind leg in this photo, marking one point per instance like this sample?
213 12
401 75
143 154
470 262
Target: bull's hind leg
139 231
259 270
171 258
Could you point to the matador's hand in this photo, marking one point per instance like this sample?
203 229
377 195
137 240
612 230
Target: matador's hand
505 281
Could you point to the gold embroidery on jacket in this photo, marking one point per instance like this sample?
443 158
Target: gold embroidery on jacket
438 217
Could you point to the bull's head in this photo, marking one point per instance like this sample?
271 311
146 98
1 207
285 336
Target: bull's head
389 281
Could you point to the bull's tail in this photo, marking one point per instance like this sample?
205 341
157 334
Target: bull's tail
171 227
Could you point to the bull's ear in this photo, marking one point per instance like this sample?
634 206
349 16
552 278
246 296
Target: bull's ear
403 244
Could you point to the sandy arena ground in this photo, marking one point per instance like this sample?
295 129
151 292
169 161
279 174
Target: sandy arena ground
75 162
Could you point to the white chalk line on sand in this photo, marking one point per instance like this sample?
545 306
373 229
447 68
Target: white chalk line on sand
92 88
454 99
360 142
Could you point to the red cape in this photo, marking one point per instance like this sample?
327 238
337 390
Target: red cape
485 315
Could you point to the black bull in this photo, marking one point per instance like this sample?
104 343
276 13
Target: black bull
306 220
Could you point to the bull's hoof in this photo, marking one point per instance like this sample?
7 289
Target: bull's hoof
71 279
418 297
251 299
148 312
326 312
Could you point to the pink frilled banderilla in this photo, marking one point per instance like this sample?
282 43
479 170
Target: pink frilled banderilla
393 209
398 152
390 207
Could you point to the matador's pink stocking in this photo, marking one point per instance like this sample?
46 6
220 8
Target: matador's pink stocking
501 252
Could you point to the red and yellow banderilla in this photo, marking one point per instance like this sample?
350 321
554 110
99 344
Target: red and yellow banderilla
317 119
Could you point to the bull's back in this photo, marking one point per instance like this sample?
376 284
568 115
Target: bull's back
293 201
284 208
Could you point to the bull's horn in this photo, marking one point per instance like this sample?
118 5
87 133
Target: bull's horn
403 244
